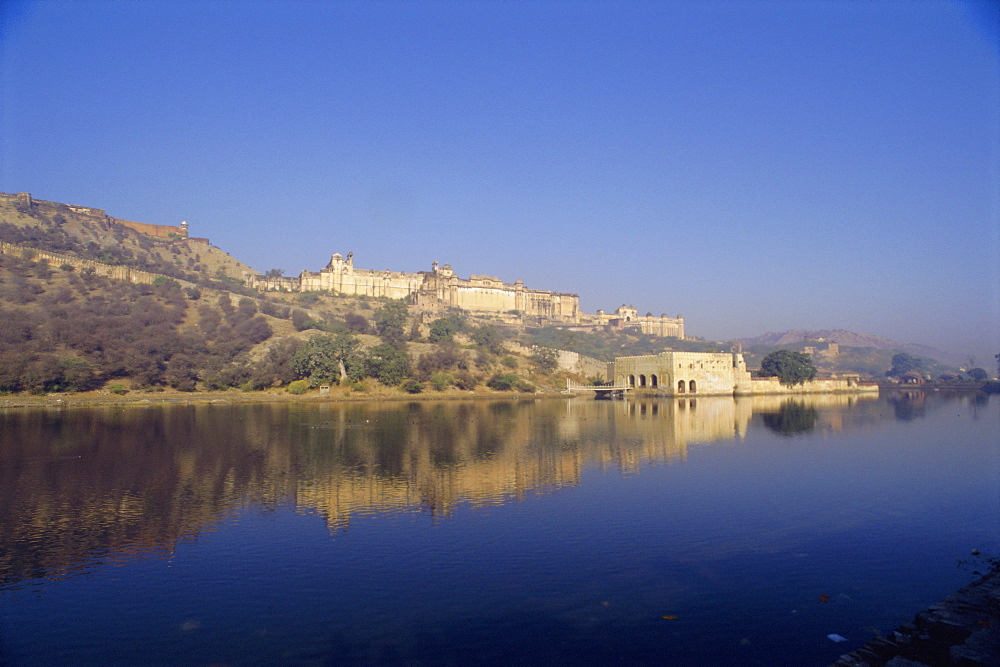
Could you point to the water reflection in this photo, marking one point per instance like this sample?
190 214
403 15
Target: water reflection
82 486
792 418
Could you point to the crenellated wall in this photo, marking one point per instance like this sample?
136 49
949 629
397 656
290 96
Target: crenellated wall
115 272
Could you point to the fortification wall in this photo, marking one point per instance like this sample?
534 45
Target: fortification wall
158 231
56 259
471 297
764 386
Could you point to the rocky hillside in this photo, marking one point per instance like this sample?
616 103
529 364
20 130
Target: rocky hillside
79 232
842 338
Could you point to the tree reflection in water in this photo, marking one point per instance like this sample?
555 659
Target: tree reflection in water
792 418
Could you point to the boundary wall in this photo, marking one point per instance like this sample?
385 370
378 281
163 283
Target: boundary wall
113 271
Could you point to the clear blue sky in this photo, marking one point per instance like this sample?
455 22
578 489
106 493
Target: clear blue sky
755 166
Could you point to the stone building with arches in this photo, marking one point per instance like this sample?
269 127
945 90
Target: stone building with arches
676 373
715 374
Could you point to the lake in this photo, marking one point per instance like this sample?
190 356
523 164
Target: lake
694 531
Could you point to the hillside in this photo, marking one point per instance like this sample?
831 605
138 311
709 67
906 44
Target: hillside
88 233
844 339
91 303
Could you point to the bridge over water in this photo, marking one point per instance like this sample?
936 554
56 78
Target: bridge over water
606 390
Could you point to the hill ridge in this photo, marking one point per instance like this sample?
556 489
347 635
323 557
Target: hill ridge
842 337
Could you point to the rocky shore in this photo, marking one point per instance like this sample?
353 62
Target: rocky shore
963 630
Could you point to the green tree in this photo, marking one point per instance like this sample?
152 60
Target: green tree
791 368
489 337
978 374
903 363
328 359
387 364
442 329
445 328
545 359
390 320
508 382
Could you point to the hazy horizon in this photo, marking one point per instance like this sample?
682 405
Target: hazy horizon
755 167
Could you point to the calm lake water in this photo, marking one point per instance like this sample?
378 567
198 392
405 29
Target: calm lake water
667 532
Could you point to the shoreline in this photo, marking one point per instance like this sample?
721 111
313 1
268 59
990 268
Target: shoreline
103 398
961 630
339 395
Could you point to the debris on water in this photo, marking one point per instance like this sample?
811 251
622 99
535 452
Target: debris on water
190 625
745 642
834 637
824 598
669 617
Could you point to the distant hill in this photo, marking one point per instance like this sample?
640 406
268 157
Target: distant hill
845 339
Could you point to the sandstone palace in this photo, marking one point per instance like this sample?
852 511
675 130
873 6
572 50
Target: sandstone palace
440 288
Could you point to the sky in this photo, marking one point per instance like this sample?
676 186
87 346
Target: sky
753 166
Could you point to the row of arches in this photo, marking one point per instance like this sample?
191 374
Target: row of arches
652 381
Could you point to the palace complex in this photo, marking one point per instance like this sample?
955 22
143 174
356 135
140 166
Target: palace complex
440 288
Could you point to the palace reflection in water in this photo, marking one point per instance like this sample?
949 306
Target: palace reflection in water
79 486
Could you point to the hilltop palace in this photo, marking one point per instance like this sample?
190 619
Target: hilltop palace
440 288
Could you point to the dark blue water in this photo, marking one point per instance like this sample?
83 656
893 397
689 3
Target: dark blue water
683 532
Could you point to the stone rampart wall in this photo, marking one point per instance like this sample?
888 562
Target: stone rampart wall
158 231
56 259
762 386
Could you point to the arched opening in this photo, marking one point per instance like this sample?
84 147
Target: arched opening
652 380
642 380
631 380
692 387
680 386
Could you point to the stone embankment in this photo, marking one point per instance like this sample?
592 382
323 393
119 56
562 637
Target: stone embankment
963 630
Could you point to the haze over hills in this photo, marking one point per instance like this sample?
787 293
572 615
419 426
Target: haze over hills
846 339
